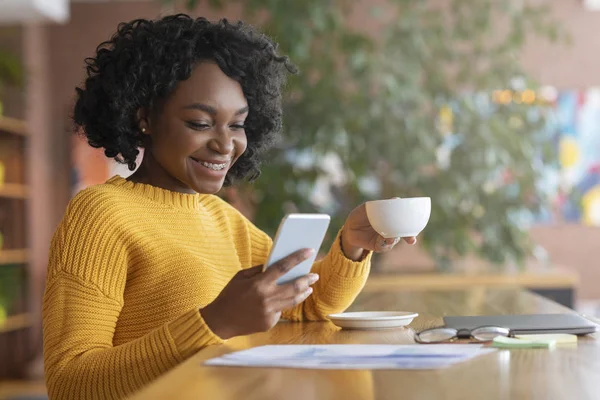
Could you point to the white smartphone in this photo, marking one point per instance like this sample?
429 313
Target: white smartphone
295 232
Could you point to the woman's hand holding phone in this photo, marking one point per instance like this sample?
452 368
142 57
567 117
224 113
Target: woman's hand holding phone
253 301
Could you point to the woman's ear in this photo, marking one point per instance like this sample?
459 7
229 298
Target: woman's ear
143 121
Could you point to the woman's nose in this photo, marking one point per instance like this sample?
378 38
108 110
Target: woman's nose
222 142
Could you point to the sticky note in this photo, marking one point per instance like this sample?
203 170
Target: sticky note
560 338
515 343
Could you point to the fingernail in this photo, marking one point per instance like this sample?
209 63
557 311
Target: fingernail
309 252
309 291
312 278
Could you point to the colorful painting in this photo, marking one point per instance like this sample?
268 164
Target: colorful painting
576 179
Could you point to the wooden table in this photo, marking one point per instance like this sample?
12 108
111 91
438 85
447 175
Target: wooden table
558 284
562 373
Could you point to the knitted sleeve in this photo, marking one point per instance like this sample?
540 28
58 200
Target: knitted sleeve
83 298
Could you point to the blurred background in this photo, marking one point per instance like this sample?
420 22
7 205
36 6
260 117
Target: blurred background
491 108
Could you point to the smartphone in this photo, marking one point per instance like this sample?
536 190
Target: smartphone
295 232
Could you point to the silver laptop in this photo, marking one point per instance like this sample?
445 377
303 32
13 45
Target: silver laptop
527 323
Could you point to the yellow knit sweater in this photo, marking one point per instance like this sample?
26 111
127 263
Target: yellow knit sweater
130 267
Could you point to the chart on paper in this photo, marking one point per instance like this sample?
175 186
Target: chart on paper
341 356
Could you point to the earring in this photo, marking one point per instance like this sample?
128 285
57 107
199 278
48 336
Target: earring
143 130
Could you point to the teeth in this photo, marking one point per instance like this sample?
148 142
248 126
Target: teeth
214 167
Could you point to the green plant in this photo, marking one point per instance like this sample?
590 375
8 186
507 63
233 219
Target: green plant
10 69
11 285
406 111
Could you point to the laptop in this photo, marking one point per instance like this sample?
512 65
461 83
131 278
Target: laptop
527 323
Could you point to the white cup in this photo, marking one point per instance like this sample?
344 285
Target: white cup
397 217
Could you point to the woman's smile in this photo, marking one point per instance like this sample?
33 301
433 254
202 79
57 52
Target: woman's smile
211 168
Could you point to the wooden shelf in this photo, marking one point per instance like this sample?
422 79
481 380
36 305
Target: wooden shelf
13 190
14 126
16 343
15 322
18 256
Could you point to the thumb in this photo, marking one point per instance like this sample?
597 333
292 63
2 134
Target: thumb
250 272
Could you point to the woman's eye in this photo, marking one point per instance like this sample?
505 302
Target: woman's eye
238 127
199 126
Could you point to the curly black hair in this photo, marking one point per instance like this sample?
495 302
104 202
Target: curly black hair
142 64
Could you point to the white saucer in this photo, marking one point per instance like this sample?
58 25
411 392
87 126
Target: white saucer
372 320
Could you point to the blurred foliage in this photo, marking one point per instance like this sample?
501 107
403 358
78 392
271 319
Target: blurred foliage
405 110
10 69
11 289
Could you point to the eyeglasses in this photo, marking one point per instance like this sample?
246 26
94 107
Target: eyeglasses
480 334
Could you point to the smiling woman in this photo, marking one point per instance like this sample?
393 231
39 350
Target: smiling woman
133 96
148 270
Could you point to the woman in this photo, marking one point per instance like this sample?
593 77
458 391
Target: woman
148 270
